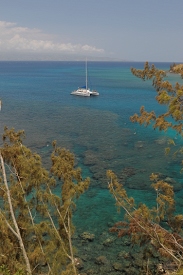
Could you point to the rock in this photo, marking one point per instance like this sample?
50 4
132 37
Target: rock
139 144
126 263
161 141
87 236
105 269
139 262
90 272
128 172
118 266
176 185
101 260
160 269
90 158
138 182
124 255
108 241
170 180
78 263
127 242
132 270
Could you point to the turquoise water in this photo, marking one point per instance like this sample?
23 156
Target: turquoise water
36 97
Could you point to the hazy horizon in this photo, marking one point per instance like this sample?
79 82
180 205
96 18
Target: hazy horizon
116 30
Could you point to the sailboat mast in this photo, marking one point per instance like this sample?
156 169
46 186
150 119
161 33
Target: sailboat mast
86 76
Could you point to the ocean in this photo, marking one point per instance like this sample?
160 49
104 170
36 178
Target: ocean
36 98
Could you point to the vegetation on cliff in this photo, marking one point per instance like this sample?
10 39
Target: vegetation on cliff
36 213
158 226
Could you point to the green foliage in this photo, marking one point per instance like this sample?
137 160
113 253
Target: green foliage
178 69
144 224
43 218
158 226
179 272
5 271
169 95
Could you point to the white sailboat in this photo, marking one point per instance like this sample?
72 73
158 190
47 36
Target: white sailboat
85 91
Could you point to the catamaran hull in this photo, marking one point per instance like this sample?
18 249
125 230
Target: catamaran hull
79 94
84 92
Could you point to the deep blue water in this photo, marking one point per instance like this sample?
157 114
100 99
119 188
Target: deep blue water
36 97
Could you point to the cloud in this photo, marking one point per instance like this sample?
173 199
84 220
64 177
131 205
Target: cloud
18 39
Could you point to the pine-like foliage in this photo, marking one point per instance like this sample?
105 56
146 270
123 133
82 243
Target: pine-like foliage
36 221
158 226
144 224
167 94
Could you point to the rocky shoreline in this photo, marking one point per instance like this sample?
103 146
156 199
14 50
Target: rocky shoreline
108 254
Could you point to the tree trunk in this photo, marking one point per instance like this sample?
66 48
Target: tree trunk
18 235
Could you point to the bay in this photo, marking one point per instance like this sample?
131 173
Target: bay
36 97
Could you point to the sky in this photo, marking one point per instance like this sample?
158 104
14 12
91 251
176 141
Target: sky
119 30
